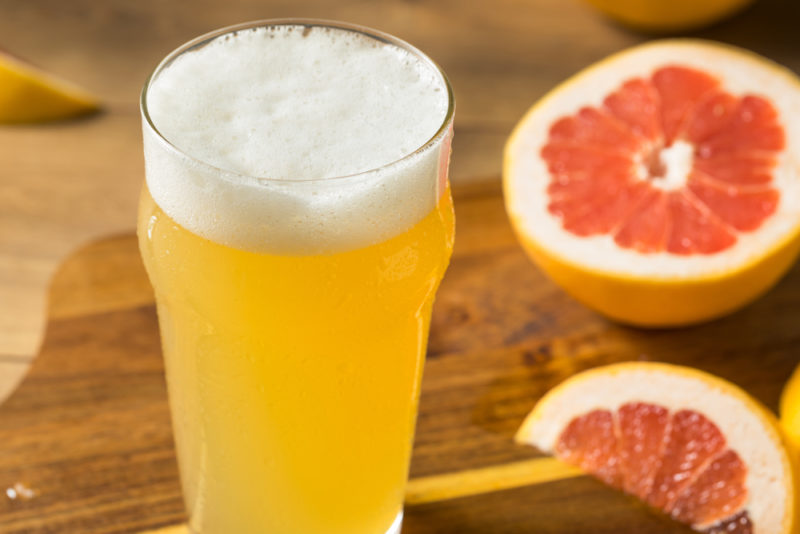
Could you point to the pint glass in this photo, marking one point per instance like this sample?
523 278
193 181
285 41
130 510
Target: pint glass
295 223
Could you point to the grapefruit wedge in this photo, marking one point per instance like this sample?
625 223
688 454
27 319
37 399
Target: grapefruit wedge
28 94
662 185
685 442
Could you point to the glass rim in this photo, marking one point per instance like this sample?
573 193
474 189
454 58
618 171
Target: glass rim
378 35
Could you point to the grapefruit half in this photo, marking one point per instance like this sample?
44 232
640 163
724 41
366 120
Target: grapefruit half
687 443
662 185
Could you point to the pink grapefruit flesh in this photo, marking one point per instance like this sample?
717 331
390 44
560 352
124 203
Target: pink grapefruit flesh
608 173
677 462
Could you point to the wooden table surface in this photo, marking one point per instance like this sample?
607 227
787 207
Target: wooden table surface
65 184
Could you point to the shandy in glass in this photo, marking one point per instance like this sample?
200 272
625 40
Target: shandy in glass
294 289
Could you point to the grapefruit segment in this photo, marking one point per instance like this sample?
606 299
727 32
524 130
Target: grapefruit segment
717 494
693 229
752 127
740 209
569 162
599 458
689 444
593 128
711 116
668 174
738 169
590 207
636 104
647 226
679 90
643 429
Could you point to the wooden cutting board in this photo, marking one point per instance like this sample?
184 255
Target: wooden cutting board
86 447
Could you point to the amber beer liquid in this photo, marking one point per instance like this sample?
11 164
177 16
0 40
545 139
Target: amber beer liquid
295 224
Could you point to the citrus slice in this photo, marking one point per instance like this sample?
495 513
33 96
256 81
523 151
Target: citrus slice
790 411
668 15
687 443
662 186
28 94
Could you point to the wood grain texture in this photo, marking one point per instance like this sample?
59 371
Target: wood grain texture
64 184
88 430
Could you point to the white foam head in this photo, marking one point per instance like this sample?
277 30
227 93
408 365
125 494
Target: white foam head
296 137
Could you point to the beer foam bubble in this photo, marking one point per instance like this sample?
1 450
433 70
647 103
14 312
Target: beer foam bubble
280 139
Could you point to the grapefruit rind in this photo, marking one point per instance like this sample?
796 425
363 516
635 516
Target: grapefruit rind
28 94
642 301
749 428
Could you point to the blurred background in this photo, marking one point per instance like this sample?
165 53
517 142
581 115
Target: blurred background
65 183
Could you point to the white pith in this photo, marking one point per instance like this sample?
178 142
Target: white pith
677 160
526 177
746 433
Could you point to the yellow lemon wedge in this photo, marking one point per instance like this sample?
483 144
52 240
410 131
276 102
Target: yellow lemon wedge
28 94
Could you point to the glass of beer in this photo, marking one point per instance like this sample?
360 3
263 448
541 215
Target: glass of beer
295 223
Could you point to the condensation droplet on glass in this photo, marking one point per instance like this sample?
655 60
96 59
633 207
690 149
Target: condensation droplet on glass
150 225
